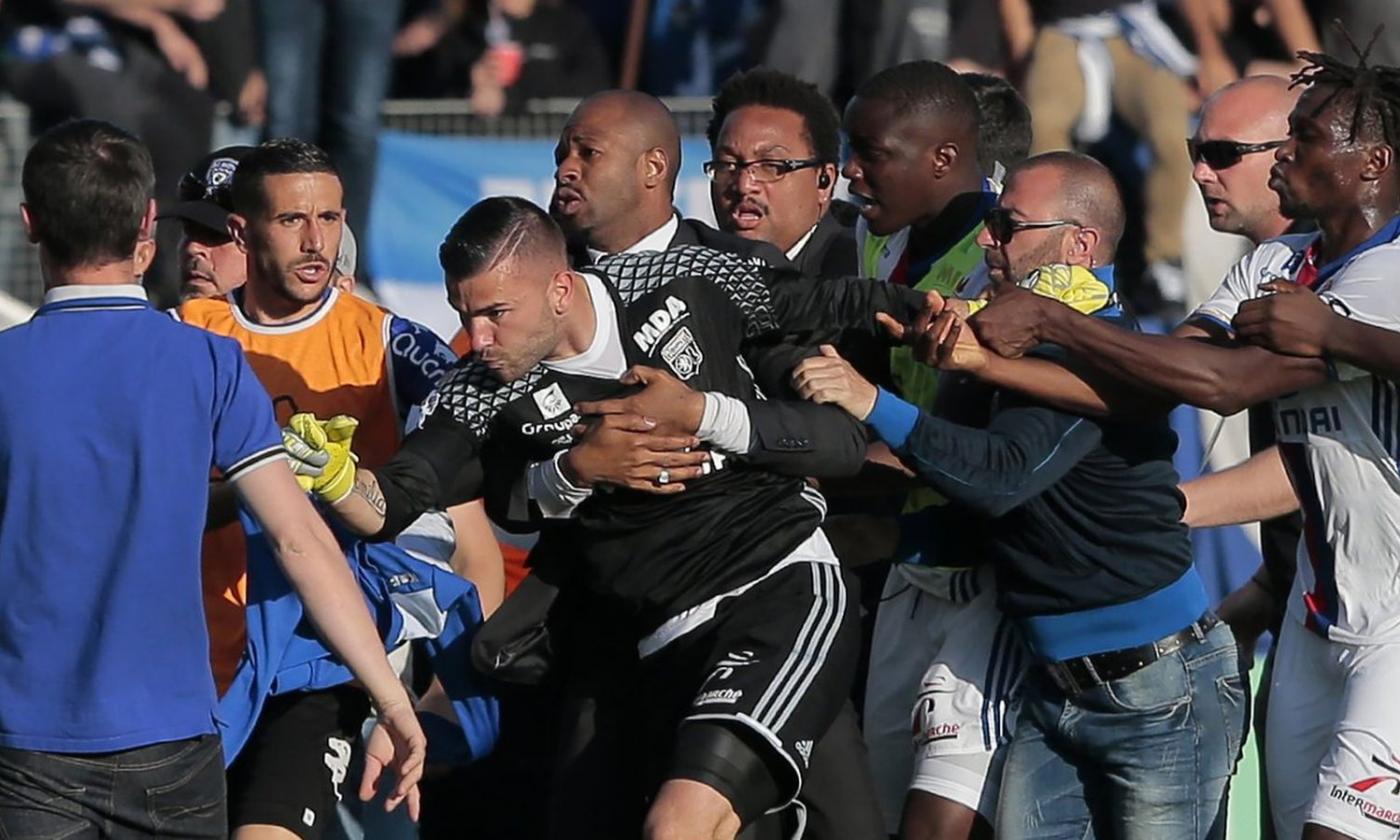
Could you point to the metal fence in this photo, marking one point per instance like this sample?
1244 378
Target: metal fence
19 266
19 262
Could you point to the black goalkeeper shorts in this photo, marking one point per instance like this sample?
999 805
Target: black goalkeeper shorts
775 664
292 771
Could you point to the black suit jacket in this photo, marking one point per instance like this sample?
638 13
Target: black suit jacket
831 252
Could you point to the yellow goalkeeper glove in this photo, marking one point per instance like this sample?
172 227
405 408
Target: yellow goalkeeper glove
320 454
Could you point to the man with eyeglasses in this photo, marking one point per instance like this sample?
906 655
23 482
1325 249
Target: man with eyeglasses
211 265
774 140
1131 713
1231 153
1319 339
615 172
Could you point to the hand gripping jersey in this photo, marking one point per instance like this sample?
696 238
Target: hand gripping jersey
349 356
715 321
1340 442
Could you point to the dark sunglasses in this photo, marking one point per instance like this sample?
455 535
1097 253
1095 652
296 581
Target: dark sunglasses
1223 154
1002 225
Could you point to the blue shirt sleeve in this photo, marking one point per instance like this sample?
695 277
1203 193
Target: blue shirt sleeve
245 431
419 360
1025 449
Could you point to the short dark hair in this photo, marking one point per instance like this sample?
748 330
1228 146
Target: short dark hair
496 229
278 156
1004 121
87 185
776 89
925 87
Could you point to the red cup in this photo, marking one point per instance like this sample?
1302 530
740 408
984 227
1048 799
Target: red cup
508 57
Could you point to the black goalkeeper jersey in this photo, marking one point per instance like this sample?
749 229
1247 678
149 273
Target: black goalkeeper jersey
716 321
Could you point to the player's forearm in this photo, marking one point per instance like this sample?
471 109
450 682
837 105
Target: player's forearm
364 510
1046 382
1370 348
1253 491
1224 380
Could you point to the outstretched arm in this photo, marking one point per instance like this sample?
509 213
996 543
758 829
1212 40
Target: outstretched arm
804 305
1251 491
1024 450
1224 380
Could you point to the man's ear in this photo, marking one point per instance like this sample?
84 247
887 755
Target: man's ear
144 255
944 157
562 290
1083 244
656 167
238 231
1379 162
30 232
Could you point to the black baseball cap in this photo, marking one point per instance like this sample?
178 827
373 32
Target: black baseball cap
205 193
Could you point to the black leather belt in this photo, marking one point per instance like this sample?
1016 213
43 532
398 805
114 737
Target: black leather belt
1077 675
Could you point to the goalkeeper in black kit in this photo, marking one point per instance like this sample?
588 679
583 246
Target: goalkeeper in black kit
748 634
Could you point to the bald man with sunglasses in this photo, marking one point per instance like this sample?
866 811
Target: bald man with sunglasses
1078 519
1231 153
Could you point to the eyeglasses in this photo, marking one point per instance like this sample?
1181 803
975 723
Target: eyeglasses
764 170
1002 225
1223 154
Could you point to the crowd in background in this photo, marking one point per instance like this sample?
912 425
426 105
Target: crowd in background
1122 82
320 69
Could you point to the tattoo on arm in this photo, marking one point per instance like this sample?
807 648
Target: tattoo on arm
368 489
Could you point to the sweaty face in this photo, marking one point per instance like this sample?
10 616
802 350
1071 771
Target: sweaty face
1237 198
293 240
211 265
1030 196
889 164
780 212
1318 170
505 311
597 171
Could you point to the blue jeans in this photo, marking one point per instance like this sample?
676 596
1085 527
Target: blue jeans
173 789
1145 757
328 67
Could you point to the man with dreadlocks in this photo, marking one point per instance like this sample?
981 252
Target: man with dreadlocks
1318 337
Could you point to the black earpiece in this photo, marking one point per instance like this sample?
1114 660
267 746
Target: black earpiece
823 180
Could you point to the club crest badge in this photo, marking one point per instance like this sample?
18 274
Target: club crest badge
551 401
682 354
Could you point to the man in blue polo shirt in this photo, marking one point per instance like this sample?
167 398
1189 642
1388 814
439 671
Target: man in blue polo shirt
1131 719
111 417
